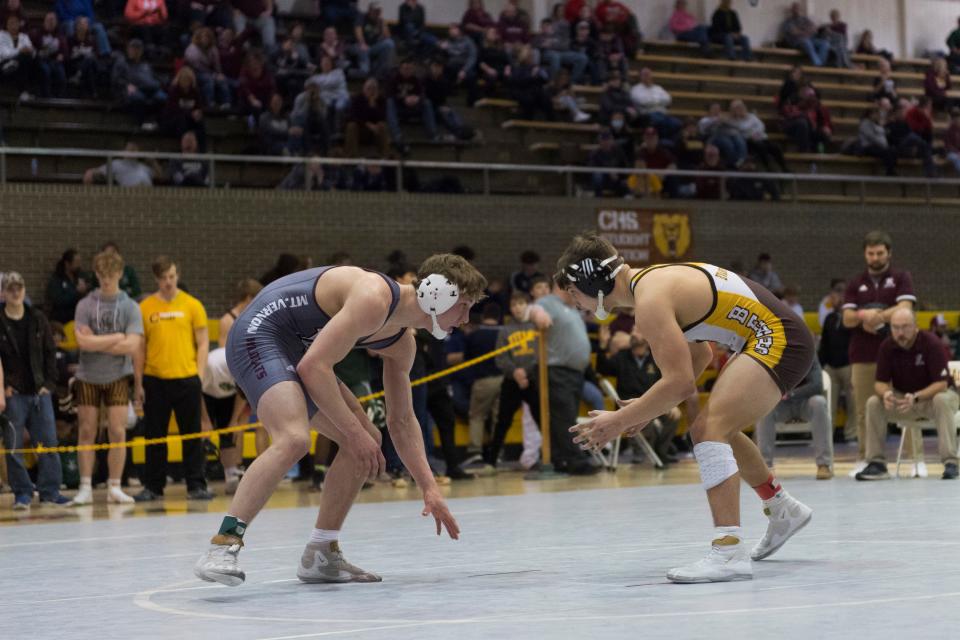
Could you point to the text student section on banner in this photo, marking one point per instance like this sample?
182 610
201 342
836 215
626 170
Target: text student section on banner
647 237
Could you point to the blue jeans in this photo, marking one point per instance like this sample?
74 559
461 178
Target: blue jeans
666 125
99 35
733 149
53 80
593 396
381 53
578 63
214 91
415 38
698 35
817 49
265 24
730 42
35 414
424 110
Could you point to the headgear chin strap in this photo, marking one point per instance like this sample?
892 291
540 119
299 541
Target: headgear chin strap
437 295
596 278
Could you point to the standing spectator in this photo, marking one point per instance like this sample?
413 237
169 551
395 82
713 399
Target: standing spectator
765 275
438 89
799 32
611 14
937 84
188 172
615 98
835 32
514 29
332 84
66 287
373 42
83 66
70 11
868 304
30 376
753 130
136 86
184 110
608 155
884 86
872 141
866 46
129 281
368 121
568 355
834 356
951 140
476 21
256 86
147 20
109 331
412 26
51 48
278 137
686 28
258 15
725 29
460 66
529 269
912 381
805 402
485 388
908 144
953 44
126 172
18 59
652 101
204 58
528 86
405 100
167 378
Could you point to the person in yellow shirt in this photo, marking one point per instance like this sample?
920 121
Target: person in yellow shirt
167 373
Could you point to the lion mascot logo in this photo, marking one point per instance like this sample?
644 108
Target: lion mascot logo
671 234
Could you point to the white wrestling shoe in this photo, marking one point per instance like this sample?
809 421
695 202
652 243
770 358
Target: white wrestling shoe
787 516
219 563
727 562
115 495
84 497
324 562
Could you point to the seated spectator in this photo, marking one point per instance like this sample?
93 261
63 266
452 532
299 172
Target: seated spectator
710 188
953 45
912 381
835 32
494 62
369 177
13 8
258 16
799 32
83 66
872 141
765 275
341 14
203 57
290 68
476 21
514 29
69 11
652 101
278 136
230 48
256 86
460 65
306 176
67 286
373 42
560 90
716 129
807 403
28 357
438 89
584 44
553 43
937 84
651 154
751 186
790 89
908 144
951 139
527 83
188 172
367 122
611 14
126 172
572 9
725 29
184 109
616 98
867 47
136 86
608 155
51 48
215 14
412 28
310 114
610 55
753 130
522 279
807 122
18 59
147 20
884 86
686 28
332 83
920 119
406 100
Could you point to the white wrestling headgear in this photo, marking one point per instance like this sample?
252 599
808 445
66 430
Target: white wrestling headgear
437 295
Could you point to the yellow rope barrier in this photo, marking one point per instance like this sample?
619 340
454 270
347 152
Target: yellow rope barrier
517 343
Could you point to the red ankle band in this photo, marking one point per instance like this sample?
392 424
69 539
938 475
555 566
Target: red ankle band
768 489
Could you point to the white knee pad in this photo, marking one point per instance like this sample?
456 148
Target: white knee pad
716 462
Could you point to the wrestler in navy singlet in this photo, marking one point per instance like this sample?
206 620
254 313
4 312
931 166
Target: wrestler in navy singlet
276 329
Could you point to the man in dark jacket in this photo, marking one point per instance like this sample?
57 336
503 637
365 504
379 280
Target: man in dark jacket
30 376
834 357
725 29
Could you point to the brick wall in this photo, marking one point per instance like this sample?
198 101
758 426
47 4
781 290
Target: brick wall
221 236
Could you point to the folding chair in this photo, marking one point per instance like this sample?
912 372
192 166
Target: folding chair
638 438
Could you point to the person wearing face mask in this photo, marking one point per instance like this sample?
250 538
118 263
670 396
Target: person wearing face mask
282 350
623 136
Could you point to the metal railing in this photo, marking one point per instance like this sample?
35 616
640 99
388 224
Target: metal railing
487 170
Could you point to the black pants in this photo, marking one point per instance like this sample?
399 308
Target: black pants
566 389
182 396
767 152
887 155
440 407
511 398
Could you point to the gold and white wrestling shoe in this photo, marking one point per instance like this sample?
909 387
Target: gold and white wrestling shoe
324 562
787 516
727 561
219 563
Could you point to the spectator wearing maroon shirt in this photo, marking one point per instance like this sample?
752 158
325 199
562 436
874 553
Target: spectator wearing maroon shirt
868 303
184 109
406 100
476 21
653 155
920 119
616 15
368 120
256 86
913 381
709 187
514 29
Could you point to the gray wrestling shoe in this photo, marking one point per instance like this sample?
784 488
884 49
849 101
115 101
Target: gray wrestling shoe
219 563
324 562
787 516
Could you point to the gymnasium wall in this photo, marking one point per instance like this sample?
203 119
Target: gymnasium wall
221 236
